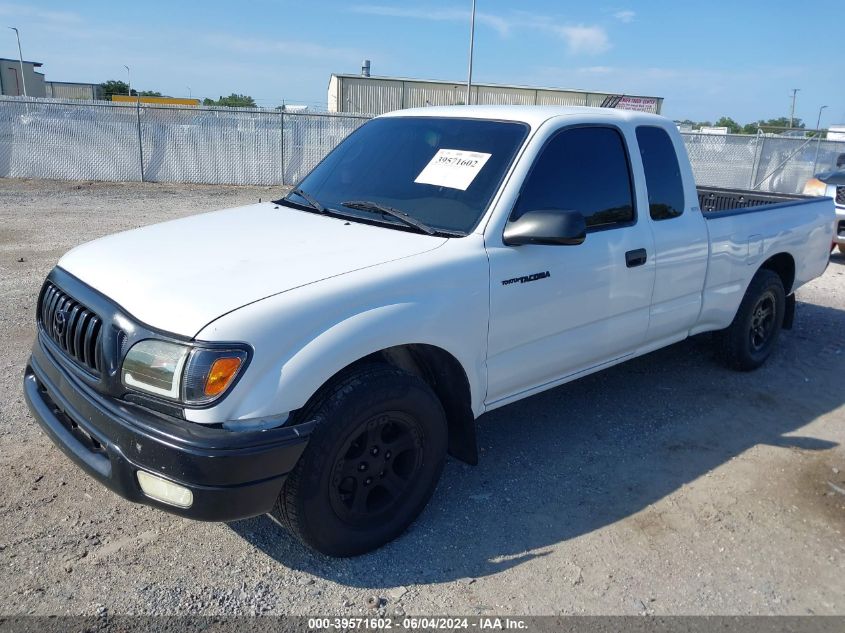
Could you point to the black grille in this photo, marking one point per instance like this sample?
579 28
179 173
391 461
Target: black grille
840 194
73 327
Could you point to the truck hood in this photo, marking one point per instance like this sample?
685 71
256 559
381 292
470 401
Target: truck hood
179 276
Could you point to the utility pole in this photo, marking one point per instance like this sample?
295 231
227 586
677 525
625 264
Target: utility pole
128 81
792 112
20 58
471 46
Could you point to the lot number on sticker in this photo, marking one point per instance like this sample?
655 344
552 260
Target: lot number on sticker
453 168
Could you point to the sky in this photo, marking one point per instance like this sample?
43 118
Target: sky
741 59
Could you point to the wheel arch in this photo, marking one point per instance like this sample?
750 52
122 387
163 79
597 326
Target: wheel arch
784 265
446 376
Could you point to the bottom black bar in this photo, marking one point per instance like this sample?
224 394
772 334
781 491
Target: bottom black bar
374 622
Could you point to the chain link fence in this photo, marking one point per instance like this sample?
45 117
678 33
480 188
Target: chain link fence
763 162
46 138
73 140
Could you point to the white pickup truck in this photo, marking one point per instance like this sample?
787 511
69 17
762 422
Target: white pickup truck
316 357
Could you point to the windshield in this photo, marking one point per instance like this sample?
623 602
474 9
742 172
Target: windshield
442 172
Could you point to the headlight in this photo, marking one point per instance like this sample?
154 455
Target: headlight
155 367
815 187
184 373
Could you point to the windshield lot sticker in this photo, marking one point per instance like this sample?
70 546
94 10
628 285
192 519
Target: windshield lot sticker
453 168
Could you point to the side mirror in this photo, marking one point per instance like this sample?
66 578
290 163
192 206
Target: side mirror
548 226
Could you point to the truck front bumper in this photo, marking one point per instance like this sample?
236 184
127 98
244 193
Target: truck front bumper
231 475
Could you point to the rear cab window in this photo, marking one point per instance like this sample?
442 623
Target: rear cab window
662 173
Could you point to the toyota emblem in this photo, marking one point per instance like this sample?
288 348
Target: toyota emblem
59 322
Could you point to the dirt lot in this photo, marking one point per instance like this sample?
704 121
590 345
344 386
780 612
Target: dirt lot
667 485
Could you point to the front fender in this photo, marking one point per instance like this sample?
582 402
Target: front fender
304 336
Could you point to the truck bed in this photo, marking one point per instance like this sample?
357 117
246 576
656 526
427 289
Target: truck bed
717 202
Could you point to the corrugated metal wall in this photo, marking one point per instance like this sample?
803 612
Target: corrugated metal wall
64 90
361 95
488 95
419 94
553 97
377 95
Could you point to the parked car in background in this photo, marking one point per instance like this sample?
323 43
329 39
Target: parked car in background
836 133
832 184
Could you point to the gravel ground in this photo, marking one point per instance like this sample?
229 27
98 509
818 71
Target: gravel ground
667 485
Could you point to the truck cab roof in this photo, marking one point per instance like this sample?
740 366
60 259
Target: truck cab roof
532 115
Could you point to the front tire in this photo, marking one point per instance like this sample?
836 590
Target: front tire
750 338
371 465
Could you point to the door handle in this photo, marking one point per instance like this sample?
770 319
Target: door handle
635 258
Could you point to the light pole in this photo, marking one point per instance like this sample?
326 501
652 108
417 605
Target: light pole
819 120
189 92
792 112
20 58
128 81
471 46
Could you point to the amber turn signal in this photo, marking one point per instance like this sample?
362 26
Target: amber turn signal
221 374
814 187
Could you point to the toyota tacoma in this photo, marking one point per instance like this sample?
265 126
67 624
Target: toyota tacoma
318 356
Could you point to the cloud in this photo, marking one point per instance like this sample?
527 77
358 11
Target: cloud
61 26
596 70
25 11
452 15
259 46
625 15
580 39
587 40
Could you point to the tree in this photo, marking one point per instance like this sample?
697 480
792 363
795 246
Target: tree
783 122
695 125
232 101
115 87
773 125
118 87
728 122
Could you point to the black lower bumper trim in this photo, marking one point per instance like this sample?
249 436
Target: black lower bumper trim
231 475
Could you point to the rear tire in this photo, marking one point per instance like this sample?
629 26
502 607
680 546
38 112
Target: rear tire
750 338
371 465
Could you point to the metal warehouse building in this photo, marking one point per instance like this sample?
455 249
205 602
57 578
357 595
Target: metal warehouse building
377 95
73 90
12 82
